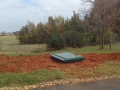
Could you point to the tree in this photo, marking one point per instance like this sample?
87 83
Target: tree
102 17
27 34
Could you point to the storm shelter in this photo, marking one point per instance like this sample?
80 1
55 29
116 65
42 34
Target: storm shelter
67 57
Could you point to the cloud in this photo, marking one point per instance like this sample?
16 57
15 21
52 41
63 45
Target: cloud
15 13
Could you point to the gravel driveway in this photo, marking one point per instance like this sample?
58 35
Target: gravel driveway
108 84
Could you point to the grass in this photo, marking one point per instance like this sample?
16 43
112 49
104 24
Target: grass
43 75
109 68
93 49
11 46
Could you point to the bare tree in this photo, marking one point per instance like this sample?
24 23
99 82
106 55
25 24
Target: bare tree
102 16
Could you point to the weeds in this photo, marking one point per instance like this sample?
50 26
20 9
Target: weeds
17 79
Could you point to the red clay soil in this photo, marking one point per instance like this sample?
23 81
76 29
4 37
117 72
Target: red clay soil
22 64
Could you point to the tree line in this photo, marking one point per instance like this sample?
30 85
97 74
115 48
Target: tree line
59 32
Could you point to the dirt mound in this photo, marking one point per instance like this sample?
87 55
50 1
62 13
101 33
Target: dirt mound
22 64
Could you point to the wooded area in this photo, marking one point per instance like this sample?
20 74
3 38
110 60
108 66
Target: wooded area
59 32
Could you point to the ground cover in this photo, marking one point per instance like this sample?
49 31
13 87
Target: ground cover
18 69
23 67
11 46
22 64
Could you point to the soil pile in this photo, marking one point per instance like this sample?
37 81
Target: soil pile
22 64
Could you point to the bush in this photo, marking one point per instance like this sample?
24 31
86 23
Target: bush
54 42
71 38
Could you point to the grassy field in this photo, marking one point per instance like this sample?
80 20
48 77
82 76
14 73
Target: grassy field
10 45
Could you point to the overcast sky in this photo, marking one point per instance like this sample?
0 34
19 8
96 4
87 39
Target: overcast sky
15 13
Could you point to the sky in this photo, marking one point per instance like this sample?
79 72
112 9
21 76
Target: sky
14 14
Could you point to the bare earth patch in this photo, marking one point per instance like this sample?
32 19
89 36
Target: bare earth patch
22 64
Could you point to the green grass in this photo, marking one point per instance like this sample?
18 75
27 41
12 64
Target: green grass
11 46
109 68
43 75
93 49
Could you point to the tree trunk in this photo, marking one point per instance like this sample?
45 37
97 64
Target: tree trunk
100 41
110 42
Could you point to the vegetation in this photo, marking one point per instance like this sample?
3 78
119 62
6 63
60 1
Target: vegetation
59 32
109 68
64 34
103 19
43 75
21 79
17 79
11 46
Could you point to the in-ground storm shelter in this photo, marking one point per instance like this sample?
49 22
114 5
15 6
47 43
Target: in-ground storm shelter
67 57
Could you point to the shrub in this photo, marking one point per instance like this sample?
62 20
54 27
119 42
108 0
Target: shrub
55 42
71 38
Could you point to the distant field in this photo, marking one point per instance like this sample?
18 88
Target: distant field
10 45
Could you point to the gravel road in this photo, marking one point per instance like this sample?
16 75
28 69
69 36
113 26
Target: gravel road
108 84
